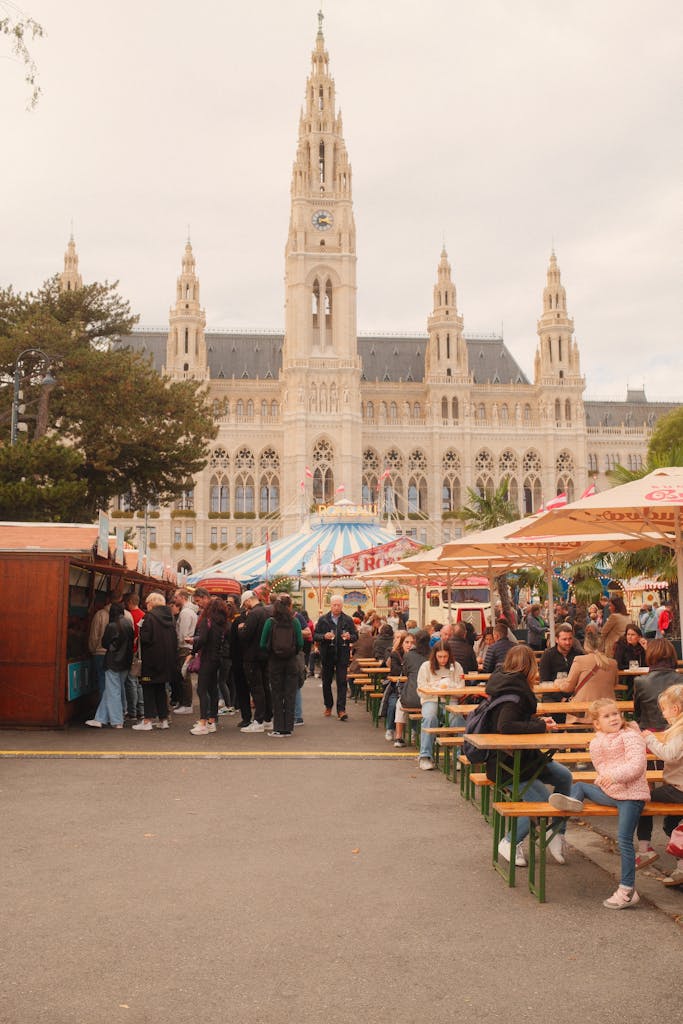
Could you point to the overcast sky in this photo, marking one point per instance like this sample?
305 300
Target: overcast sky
502 126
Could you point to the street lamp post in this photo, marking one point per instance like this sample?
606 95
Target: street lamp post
47 380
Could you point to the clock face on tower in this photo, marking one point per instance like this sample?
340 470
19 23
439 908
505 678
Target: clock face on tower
322 220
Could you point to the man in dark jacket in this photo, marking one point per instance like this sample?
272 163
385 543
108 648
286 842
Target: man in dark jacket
334 634
556 661
495 654
460 649
255 661
159 651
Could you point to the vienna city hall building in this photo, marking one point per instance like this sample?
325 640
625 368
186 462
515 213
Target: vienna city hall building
405 423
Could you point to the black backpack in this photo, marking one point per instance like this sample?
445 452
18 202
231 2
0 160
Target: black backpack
479 721
282 641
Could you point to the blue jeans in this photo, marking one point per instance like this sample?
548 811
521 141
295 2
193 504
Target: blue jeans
392 701
298 706
629 813
110 709
555 775
430 720
134 702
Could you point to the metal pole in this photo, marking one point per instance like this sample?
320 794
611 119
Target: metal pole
15 403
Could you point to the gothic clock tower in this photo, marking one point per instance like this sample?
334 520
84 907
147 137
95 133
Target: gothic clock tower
321 367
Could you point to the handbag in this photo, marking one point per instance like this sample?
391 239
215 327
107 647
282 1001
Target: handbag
675 844
194 663
135 668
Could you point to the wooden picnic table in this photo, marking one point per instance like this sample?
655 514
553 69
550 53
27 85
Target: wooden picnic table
508 785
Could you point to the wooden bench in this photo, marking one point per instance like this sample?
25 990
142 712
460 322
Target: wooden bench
542 829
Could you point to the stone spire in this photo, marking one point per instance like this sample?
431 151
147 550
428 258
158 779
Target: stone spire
446 356
321 167
70 280
186 345
557 357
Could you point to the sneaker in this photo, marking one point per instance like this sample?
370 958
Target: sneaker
211 726
182 710
163 724
622 899
94 724
223 710
565 803
557 849
399 743
426 764
389 735
277 734
647 857
117 727
298 721
675 878
199 730
143 726
504 851
243 724
254 727
268 725
327 712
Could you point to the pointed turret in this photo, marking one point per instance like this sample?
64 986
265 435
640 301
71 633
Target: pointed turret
558 353
186 346
70 280
446 356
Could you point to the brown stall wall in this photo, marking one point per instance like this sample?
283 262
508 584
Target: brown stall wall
33 639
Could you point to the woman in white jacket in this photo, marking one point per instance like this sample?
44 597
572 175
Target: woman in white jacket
439 672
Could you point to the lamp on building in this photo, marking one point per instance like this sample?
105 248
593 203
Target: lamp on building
47 381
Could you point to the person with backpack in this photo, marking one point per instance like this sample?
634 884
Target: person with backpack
282 640
209 644
511 688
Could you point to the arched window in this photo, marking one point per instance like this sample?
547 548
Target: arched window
370 411
450 483
219 494
393 412
269 484
417 411
392 484
454 410
370 483
527 413
240 407
250 409
444 409
244 481
504 413
264 409
323 473
274 410
558 413
568 411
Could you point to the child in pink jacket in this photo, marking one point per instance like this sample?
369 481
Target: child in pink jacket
619 756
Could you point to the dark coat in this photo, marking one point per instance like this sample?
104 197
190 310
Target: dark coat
496 653
118 641
337 651
250 636
514 718
646 690
158 646
411 666
625 653
382 644
463 654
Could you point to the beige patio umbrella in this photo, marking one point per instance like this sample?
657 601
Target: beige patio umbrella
650 509
501 549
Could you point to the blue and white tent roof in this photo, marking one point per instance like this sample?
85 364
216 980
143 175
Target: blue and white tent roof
342 529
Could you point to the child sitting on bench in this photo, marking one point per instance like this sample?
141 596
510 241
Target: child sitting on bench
669 748
620 759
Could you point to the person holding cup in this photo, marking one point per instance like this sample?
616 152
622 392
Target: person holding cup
334 634
630 649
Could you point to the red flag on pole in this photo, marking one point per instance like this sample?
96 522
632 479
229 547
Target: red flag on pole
589 492
557 502
340 489
268 555
308 472
386 474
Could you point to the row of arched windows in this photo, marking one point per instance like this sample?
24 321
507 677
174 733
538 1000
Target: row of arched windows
222 408
388 412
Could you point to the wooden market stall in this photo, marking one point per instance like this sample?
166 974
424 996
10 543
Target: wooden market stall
52 583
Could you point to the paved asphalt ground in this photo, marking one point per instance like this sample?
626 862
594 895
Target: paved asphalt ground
345 889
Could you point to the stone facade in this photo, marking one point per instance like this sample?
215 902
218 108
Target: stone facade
403 423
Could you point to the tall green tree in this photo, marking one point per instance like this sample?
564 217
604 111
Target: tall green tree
135 432
41 481
484 512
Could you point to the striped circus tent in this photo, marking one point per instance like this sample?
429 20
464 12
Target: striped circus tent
342 529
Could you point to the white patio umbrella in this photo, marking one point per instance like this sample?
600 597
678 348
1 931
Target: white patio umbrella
649 509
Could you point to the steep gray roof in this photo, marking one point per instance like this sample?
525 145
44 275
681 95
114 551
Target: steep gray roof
635 412
250 354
